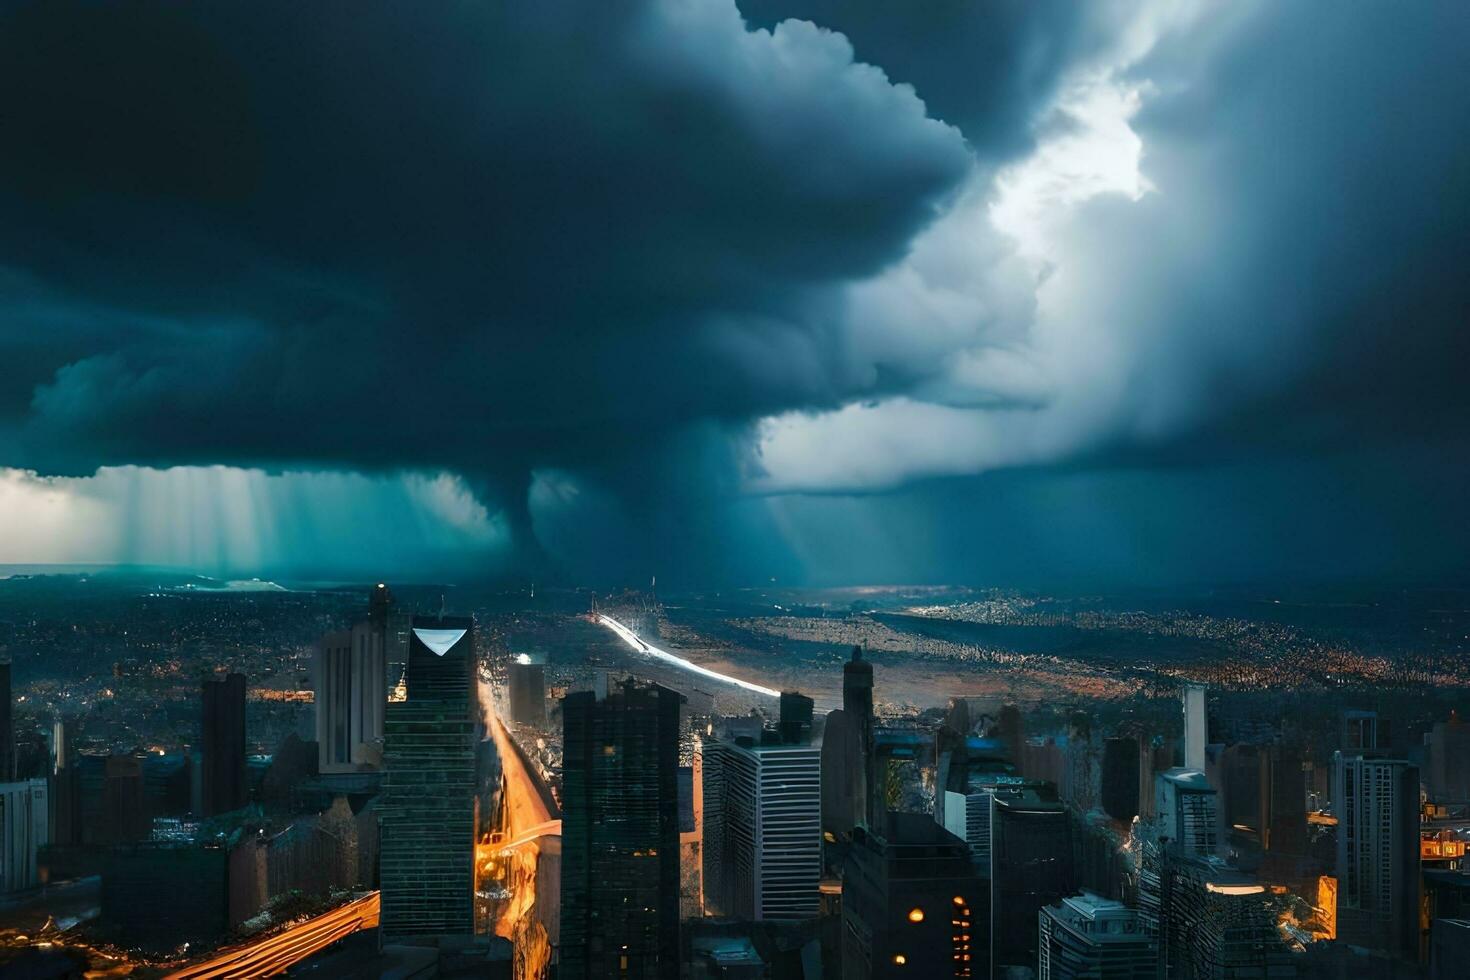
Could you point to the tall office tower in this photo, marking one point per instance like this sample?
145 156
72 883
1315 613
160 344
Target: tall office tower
351 696
1214 921
1088 937
428 805
968 773
1030 867
527 683
7 727
620 833
395 626
1120 778
1447 775
123 816
1196 726
1284 799
912 904
1378 875
769 862
857 702
1185 806
847 750
222 744
24 829
796 718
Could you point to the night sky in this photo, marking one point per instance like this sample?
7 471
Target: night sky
831 291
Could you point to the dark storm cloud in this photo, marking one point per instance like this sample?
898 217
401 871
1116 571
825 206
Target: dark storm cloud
472 235
599 242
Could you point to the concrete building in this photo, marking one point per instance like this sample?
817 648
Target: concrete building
25 823
912 903
1378 874
351 698
620 834
1088 937
1196 726
428 806
1449 948
1185 808
769 860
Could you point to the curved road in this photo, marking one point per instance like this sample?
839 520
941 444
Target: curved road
276 954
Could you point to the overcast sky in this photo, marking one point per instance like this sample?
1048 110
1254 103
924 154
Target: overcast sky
824 290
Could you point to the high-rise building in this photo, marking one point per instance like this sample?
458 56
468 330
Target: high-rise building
620 833
1031 866
769 861
351 697
124 817
24 829
1185 808
1088 937
527 684
222 744
1120 764
7 727
1363 730
428 805
1378 874
912 903
1196 726
1212 921
848 758
1447 762
796 718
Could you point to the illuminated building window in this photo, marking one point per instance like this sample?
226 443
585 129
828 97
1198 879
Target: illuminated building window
900 959
916 914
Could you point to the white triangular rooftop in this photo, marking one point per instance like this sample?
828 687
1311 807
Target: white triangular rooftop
439 640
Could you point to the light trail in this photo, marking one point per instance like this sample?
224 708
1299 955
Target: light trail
631 638
276 954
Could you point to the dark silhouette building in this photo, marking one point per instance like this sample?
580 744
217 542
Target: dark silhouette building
1030 867
222 742
848 759
1378 873
428 806
620 834
912 903
527 684
1120 767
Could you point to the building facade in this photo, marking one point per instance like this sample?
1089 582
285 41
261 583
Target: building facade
222 745
1378 873
620 834
1088 937
428 806
351 698
25 822
1031 866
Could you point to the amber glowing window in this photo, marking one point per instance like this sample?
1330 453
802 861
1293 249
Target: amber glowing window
900 959
916 914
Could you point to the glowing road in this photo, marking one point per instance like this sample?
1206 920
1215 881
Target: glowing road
276 954
631 638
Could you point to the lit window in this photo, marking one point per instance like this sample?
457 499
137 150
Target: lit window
916 914
900 959
958 900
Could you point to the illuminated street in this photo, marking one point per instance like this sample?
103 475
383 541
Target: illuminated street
275 954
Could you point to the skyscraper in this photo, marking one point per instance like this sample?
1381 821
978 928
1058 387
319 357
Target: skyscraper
527 682
428 806
1088 937
769 862
1030 867
620 833
1120 765
847 751
24 830
1196 726
912 903
222 744
1185 809
350 699
1378 875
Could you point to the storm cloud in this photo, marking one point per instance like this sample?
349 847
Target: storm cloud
643 275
